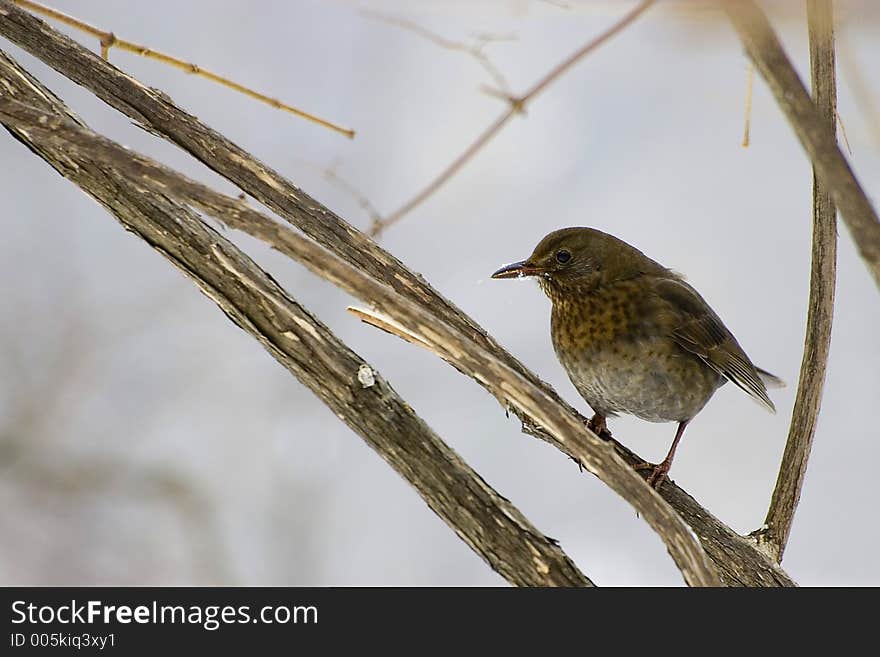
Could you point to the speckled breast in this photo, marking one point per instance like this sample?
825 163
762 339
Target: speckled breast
621 361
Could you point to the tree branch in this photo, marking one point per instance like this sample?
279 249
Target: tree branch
820 142
777 526
739 562
485 520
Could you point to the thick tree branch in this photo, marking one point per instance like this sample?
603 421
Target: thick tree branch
817 138
777 526
485 520
738 561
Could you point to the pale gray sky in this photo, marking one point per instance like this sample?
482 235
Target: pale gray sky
147 440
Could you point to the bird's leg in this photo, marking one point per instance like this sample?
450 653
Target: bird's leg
661 469
597 425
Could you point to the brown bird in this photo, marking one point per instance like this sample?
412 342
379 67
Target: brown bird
633 336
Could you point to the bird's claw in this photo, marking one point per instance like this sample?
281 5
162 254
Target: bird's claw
658 472
597 426
658 476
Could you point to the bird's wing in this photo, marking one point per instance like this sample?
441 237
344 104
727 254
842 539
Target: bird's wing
697 329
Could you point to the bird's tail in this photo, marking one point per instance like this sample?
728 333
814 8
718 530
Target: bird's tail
770 380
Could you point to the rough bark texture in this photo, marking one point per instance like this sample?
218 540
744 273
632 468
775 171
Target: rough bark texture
738 561
813 130
817 342
485 520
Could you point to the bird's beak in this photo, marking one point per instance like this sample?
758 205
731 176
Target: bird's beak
518 270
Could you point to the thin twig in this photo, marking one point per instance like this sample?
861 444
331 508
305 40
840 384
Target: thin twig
388 325
820 142
377 228
748 124
474 50
516 106
777 526
109 40
332 177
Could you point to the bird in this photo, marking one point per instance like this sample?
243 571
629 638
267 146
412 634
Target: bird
633 336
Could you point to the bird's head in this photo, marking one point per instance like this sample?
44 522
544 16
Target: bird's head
574 259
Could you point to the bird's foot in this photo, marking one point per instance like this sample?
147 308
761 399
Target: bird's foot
658 472
658 476
597 425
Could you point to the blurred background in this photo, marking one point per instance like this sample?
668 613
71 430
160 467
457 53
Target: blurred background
144 439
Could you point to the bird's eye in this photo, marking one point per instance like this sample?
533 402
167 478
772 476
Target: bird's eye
563 256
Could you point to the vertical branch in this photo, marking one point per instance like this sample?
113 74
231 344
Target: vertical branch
821 304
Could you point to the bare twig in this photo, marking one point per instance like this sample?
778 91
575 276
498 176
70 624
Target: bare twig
109 40
820 142
475 50
485 520
332 177
517 106
388 325
484 138
748 123
737 559
777 526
